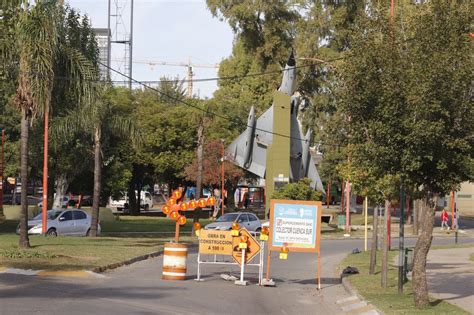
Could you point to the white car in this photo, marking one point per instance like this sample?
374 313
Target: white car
245 219
146 202
64 202
73 222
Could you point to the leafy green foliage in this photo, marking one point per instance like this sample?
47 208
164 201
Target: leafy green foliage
300 190
407 102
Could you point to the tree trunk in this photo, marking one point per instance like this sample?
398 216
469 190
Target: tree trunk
416 206
422 247
373 249
385 245
51 187
61 183
97 182
24 241
131 197
199 153
135 207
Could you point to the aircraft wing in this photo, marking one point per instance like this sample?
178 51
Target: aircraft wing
262 137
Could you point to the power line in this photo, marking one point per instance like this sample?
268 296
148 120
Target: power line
257 74
207 111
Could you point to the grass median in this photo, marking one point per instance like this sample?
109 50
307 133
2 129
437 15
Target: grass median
85 253
388 300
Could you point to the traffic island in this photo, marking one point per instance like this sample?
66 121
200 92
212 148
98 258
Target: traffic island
76 253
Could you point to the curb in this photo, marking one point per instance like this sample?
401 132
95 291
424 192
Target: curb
347 286
126 262
350 290
95 272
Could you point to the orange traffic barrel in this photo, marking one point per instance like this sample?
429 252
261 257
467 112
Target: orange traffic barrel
174 261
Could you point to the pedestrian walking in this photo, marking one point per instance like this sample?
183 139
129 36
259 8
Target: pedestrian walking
444 219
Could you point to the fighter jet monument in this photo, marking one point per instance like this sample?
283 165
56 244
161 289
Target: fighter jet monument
274 146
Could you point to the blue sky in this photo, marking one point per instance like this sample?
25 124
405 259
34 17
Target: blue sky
170 31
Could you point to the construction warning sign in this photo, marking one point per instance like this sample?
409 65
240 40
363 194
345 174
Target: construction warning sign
215 242
253 247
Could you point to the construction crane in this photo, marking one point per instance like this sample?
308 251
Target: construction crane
189 65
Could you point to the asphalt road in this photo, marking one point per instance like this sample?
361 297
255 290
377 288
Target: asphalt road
138 288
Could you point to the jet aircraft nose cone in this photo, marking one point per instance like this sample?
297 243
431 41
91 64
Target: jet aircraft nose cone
291 61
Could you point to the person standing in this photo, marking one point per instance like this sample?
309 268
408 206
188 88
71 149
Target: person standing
456 218
237 198
246 200
217 205
444 219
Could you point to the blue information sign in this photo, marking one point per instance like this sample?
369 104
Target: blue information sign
296 224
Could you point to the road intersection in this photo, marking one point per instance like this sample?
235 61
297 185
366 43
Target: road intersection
139 289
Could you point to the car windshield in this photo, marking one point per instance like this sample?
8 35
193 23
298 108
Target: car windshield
52 215
228 217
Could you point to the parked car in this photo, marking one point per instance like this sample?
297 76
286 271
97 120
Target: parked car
146 202
74 222
245 219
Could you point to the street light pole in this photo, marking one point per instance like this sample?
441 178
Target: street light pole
401 241
2 168
44 220
222 176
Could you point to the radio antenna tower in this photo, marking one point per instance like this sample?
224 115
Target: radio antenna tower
121 34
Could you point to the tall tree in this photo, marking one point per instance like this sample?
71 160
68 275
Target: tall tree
439 153
39 47
408 91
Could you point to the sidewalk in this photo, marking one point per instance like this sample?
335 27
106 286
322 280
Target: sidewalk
450 276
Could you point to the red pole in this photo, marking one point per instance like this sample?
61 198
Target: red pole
222 177
45 172
392 9
176 232
1 173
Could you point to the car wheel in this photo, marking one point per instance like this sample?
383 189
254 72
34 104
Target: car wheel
88 233
52 232
147 207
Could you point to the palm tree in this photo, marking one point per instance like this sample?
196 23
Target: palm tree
97 119
40 48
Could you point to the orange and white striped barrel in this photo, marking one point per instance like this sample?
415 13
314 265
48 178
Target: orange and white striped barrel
174 261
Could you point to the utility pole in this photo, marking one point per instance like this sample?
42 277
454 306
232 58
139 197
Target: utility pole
453 208
109 41
222 176
2 168
130 43
401 241
348 206
120 35
44 216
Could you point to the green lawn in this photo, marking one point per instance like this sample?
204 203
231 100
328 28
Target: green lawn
77 253
147 224
73 253
388 300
